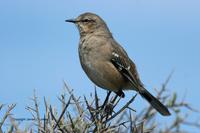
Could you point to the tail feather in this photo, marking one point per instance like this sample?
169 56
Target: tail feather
162 109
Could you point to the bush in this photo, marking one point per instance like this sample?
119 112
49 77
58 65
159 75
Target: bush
80 115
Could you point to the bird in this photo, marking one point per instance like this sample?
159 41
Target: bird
105 61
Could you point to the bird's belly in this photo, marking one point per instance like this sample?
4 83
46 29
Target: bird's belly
105 75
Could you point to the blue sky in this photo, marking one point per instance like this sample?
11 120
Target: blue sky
38 50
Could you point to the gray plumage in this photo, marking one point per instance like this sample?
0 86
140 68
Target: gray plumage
106 63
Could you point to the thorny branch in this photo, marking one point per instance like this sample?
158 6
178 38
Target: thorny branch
94 116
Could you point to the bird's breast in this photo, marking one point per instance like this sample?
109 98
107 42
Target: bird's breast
99 68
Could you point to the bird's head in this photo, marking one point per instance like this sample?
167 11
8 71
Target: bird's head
88 23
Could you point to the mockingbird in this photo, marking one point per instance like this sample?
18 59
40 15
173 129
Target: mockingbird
106 63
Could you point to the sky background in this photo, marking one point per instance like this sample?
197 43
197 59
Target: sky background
38 50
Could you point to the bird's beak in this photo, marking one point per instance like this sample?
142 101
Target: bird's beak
71 20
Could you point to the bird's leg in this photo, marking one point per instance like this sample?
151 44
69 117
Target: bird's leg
114 99
109 106
106 100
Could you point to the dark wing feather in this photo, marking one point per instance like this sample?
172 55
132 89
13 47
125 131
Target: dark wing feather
124 68
122 65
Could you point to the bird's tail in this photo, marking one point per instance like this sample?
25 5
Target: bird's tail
162 109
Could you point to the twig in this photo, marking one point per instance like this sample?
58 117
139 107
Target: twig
63 112
10 108
72 123
80 110
52 115
37 111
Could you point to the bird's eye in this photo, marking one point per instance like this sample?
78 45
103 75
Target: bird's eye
86 20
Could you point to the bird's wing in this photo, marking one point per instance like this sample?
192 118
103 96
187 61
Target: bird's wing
124 65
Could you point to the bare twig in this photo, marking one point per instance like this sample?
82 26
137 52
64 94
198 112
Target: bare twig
80 110
10 108
57 123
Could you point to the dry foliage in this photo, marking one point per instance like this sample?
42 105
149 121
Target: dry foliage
80 115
